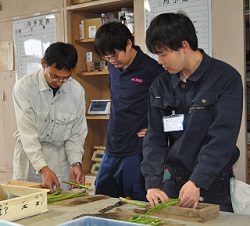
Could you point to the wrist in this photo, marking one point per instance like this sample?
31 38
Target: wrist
75 164
43 169
196 185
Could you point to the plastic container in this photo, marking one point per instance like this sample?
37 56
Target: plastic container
81 30
103 19
8 223
95 221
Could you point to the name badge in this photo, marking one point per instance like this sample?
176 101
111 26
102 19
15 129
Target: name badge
173 122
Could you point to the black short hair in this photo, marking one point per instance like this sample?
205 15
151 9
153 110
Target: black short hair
112 36
63 55
168 30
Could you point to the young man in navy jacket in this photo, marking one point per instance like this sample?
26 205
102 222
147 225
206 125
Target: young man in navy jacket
131 72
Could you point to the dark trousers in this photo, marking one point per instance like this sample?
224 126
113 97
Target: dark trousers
218 192
121 177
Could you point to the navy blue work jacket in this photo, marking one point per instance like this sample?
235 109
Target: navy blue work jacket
129 104
211 101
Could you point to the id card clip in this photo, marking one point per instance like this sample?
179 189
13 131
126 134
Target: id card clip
172 123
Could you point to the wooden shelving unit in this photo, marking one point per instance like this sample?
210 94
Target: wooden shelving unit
95 83
98 117
89 40
92 73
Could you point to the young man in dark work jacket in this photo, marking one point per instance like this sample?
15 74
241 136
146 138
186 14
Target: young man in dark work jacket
131 73
195 111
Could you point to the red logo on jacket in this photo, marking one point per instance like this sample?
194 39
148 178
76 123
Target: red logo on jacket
136 80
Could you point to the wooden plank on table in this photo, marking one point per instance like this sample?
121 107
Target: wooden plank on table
25 183
203 213
80 200
123 214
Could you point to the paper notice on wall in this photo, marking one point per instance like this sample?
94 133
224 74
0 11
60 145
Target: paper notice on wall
199 11
6 56
32 37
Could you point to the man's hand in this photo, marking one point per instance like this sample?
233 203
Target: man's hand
142 133
189 195
49 179
77 175
156 195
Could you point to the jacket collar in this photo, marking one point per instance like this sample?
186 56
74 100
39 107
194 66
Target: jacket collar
43 84
198 73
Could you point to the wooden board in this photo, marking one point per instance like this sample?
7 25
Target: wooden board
122 214
25 183
80 200
203 213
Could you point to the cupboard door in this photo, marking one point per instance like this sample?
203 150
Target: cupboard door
2 159
8 125
7 115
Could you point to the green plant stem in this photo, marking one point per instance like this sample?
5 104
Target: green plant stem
146 220
57 192
60 197
135 216
75 184
134 202
162 205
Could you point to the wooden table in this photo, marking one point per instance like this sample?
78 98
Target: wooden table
59 214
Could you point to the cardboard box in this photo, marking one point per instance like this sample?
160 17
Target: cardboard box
30 202
91 26
89 57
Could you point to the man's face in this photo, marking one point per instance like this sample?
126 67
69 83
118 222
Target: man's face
114 58
171 60
121 58
55 77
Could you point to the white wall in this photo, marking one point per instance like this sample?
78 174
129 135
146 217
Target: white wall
229 46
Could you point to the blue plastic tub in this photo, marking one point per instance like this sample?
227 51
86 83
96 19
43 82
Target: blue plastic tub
95 221
8 223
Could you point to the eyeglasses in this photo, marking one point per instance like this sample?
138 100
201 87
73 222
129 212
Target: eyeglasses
108 58
65 79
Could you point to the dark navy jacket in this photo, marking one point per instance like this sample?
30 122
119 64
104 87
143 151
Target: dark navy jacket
211 101
129 104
